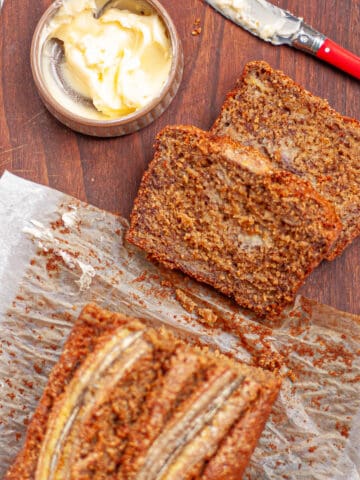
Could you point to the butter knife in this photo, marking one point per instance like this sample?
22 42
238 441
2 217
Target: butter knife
280 27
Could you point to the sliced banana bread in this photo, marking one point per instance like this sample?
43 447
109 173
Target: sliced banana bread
129 402
300 133
220 212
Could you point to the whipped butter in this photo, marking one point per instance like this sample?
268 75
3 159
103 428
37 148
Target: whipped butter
120 60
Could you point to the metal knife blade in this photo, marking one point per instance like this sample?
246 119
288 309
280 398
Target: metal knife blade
270 23
260 18
280 27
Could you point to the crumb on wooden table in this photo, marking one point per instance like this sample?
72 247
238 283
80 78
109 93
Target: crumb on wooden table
196 28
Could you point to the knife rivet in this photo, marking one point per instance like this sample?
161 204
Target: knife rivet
304 39
327 50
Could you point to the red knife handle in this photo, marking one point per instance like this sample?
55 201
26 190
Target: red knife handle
332 53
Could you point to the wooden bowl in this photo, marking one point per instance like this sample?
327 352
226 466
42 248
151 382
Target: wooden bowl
46 56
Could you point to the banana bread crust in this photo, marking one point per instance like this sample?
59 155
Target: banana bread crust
93 322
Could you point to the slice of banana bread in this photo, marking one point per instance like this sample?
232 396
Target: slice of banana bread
220 212
300 133
130 402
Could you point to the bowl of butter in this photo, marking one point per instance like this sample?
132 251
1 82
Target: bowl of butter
106 68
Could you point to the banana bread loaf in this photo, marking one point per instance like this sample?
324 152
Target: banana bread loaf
129 402
220 212
300 133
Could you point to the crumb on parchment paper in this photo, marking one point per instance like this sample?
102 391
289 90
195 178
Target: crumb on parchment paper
205 315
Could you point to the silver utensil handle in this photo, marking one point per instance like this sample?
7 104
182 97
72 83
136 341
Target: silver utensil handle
308 39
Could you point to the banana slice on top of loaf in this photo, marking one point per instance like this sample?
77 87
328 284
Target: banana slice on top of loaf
130 402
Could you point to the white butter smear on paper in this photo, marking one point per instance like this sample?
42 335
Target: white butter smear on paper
70 219
88 273
45 236
39 231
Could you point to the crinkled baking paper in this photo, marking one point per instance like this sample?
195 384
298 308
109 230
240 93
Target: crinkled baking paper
57 254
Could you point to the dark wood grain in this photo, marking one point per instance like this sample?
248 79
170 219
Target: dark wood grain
107 173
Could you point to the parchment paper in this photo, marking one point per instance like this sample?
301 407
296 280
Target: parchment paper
57 254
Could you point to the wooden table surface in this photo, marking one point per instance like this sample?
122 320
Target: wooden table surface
107 172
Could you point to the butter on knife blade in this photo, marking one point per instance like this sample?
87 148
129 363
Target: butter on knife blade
260 18
280 27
